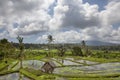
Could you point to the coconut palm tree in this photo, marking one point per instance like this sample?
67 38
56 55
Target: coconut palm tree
21 48
50 39
87 52
83 44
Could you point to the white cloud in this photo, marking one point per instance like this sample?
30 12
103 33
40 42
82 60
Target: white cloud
68 36
82 20
75 13
31 16
111 14
71 36
107 34
42 39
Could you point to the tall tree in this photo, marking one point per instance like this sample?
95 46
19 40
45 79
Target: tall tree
50 39
77 51
21 48
87 52
61 51
6 49
83 44
3 41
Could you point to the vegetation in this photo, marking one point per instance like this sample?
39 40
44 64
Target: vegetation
21 48
6 49
64 56
61 51
50 39
77 51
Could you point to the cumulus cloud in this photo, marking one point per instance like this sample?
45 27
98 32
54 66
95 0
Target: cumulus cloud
67 37
111 15
71 36
74 13
83 21
106 34
31 16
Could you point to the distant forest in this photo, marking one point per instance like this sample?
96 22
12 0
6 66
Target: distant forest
68 46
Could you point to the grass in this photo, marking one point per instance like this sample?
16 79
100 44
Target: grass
13 65
94 78
36 75
28 74
3 66
46 77
94 59
89 76
8 72
101 60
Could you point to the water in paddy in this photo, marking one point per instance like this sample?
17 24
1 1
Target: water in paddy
106 68
66 62
82 61
13 76
80 68
35 64
93 68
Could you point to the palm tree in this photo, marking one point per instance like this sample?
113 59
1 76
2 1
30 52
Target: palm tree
87 52
50 39
61 50
83 44
21 47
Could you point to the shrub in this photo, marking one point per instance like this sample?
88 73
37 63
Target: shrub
77 51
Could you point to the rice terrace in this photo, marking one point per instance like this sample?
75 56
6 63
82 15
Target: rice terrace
59 40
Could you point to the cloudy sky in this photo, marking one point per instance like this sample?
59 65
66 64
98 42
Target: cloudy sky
66 20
